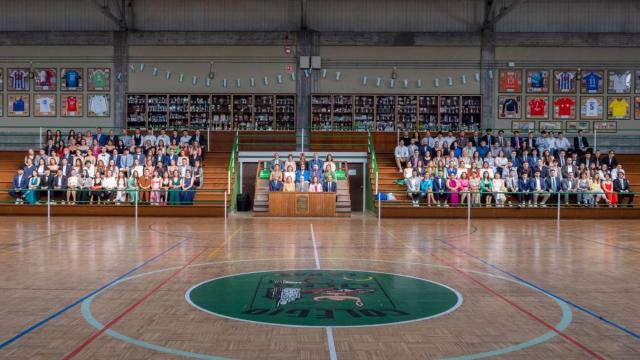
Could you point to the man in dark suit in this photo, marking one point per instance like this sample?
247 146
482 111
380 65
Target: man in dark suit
137 137
329 185
611 160
516 141
489 138
315 161
621 186
46 183
569 169
524 189
440 189
554 183
59 186
138 155
102 139
112 136
587 160
49 147
19 184
66 154
538 187
169 157
531 141
475 139
581 144
65 168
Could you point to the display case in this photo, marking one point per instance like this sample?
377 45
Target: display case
342 112
264 112
157 111
136 111
178 111
449 113
427 112
364 106
221 112
199 111
243 112
407 112
471 112
285 112
321 112
385 113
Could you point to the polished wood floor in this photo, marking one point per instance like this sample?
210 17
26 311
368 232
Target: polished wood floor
46 270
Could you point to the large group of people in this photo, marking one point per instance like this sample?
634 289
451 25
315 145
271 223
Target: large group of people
95 168
488 169
313 175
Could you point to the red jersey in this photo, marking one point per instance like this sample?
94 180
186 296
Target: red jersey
510 81
564 106
537 106
72 104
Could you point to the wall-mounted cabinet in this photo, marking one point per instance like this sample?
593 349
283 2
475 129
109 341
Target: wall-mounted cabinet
395 112
217 111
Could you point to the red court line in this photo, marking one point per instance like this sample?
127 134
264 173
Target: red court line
88 341
521 309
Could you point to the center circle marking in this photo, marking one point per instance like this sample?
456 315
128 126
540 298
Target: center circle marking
321 298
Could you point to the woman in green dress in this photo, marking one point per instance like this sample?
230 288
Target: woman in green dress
486 187
175 189
132 186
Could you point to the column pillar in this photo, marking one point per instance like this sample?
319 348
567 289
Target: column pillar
120 87
303 90
488 85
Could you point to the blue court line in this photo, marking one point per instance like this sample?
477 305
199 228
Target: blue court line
578 307
80 300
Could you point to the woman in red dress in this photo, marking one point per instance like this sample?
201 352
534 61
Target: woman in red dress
607 187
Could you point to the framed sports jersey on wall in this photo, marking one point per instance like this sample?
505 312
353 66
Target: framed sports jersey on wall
18 105
71 79
44 105
537 107
1 79
619 107
537 81
564 81
1 104
591 107
564 107
509 106
591 81
98 79
574 126
45 79
510 81
71 105
98 105
550 125
523 126
619 81
636 107
18 79
605 126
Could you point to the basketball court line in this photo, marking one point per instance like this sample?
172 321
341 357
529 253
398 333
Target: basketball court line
562 325
147 295
131 307
332 345
70 306
573 304
495 293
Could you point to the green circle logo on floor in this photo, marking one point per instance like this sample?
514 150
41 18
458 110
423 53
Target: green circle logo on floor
323 298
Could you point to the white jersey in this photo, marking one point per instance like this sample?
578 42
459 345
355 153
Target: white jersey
592 108
99 105
45 104
621 82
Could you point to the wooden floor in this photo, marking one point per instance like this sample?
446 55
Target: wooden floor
47 273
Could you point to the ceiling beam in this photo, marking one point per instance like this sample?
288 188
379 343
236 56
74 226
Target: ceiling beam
106 11
491 20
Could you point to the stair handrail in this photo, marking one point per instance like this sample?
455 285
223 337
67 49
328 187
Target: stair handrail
232 161
374 162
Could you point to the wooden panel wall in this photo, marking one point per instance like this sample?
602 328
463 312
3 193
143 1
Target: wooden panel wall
285 204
